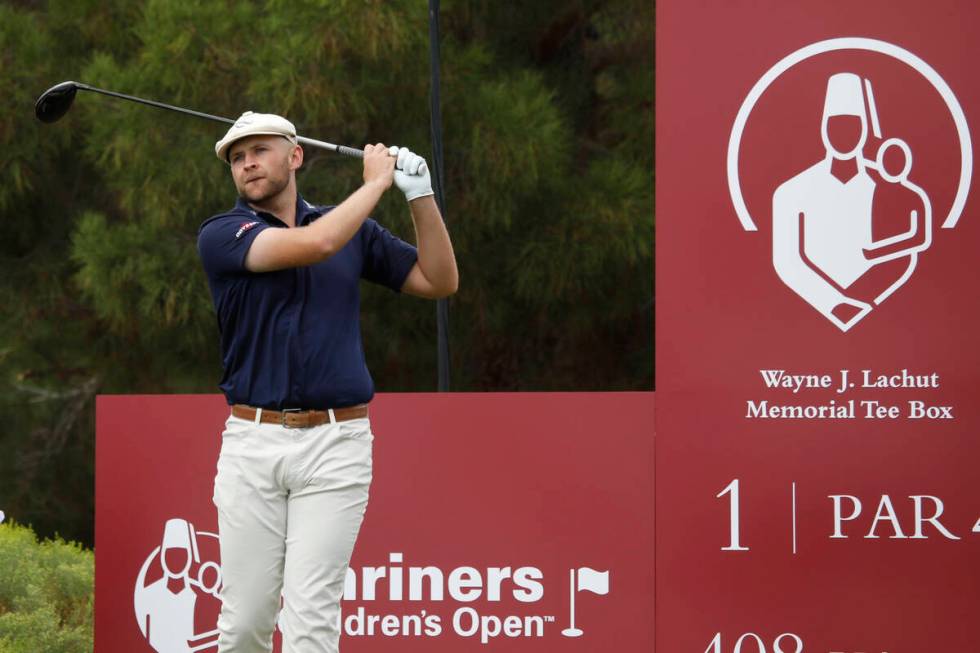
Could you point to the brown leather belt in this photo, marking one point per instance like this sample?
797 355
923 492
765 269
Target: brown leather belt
294 418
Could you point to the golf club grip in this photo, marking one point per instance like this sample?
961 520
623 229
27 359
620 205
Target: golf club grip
341 149
350 151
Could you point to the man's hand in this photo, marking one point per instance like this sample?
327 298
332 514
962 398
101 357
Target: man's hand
411 173
379 165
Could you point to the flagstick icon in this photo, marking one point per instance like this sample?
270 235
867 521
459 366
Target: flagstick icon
590 580
572 631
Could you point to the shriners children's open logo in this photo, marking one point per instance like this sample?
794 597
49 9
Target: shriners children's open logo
854 151
177 598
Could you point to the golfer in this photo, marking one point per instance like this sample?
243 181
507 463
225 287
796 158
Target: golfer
295 464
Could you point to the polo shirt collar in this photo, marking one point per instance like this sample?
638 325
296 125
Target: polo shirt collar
305 212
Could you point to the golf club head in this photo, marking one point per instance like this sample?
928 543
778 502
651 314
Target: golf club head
55 102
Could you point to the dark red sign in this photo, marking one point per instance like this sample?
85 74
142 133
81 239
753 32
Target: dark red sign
817 413
496 522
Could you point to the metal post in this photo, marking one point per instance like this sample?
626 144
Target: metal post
442 305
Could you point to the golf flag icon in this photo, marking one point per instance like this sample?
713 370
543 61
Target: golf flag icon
589 580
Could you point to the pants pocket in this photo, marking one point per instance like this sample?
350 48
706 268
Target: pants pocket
227 480
356 429
226 484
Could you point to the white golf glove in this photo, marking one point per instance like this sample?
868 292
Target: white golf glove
411 173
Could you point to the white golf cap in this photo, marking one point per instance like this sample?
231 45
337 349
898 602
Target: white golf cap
845 96
254 124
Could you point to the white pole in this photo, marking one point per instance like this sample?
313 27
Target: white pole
571 589
571 631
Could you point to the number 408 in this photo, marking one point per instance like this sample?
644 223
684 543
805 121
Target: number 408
759 645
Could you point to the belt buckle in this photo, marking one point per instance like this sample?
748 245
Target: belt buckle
282 417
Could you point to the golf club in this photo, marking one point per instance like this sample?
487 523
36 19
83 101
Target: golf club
56 101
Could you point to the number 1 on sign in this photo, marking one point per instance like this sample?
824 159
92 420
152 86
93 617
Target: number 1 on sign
732 490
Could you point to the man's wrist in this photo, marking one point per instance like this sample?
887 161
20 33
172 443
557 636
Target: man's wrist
378 184
418 194
420 197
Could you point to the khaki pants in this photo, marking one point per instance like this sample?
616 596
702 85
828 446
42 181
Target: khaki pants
290 504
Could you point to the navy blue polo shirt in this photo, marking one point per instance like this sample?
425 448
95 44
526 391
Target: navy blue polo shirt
292 338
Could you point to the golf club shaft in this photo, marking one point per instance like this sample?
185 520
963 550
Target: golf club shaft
340 149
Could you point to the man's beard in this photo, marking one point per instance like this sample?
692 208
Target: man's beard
270 187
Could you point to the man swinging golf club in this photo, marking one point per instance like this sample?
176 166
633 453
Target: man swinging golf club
295 463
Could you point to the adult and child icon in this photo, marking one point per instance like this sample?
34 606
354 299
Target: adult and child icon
847 231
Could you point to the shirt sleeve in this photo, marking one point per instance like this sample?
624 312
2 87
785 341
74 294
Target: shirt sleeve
387 259
223 243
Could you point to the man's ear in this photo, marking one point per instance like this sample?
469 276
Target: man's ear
296 158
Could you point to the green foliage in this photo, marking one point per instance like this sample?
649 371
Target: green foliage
126 271
548 144
22 49
45 594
